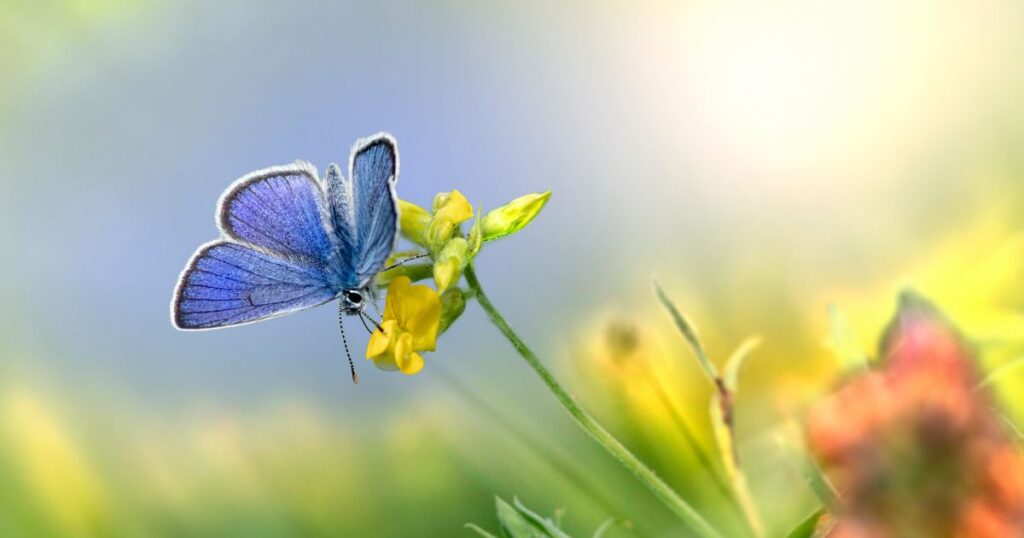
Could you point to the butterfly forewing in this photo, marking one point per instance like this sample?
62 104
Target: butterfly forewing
374 172
281 210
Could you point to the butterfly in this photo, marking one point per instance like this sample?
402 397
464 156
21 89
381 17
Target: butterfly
291 240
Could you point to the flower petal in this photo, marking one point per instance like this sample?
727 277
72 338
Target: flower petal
386 363
452 207
395 292
413 364
380 341
403 347
420 314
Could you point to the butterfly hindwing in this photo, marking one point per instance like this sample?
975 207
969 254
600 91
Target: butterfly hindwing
226 283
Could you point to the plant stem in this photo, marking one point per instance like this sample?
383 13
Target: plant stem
644 474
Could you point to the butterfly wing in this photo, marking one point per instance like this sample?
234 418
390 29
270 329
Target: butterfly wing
364 208
226 284
280 210
275 259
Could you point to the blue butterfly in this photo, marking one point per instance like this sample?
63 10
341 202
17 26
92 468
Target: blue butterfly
291 240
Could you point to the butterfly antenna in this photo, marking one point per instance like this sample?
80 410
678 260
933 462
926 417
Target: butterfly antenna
404 260
341 327
369 318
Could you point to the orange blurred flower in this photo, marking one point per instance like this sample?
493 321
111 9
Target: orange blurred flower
914 448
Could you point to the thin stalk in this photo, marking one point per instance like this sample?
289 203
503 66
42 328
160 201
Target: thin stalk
722 415
644 474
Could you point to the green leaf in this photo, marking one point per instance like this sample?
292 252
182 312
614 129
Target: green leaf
544 523
479 531
807 526
689 332
514 524
851 355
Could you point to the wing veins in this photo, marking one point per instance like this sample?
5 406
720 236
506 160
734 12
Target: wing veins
251 304
229 264
261 232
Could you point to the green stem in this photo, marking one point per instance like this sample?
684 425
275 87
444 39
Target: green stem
644 474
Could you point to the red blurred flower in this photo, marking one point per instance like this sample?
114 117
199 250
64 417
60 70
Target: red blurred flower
914 448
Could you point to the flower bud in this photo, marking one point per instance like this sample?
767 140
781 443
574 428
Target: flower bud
450 262
415 222
413 271
513 216
450 210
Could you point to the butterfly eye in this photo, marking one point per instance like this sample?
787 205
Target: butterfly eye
354 297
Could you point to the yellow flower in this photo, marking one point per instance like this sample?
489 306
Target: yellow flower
412 315
439 232
450 210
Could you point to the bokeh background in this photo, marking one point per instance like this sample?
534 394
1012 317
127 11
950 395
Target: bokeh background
763 161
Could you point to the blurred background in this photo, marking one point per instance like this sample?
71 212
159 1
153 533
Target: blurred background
762 161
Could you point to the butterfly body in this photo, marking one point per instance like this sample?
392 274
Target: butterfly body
291 240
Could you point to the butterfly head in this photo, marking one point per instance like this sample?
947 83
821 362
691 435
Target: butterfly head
354 301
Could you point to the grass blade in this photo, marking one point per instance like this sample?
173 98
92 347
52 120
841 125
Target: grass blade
807 526
730 460
809 470
607 524
737 359
688 331
537 520
479 531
